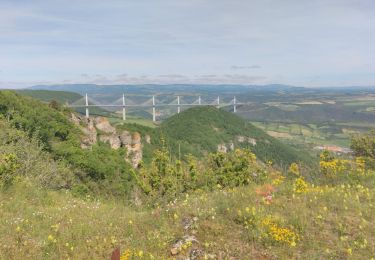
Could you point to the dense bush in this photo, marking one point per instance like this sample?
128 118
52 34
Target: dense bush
23 157
167 177
364 146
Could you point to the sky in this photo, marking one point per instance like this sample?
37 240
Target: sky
296 42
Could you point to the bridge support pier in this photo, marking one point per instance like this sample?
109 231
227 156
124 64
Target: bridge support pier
87 106
123 108
178 105
153 109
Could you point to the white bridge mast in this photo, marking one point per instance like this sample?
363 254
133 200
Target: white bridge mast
178 105
153 109
87 106
123 108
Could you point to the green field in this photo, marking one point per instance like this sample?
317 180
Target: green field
311 134
132 120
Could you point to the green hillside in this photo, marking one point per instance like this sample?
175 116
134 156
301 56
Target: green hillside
198 131
47 95
62 97
202 129
98 167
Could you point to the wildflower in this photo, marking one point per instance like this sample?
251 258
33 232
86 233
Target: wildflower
349 251
18 229
279 180
52 239
280 234
294 169
130 222
56 227
300 186
126 255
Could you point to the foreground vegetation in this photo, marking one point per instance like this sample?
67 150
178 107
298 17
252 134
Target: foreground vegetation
218 206
241 209
280 218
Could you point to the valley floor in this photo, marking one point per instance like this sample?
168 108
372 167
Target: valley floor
273 221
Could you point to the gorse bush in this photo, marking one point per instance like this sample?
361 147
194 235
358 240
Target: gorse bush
364 146
236 168
24 157
168 177
8 166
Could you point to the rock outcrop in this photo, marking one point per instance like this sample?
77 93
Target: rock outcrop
126 138
102 124
134 150
90 134
222 148
148 139
99 128
113 140
242 139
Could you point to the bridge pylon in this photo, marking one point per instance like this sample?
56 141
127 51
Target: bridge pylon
87 106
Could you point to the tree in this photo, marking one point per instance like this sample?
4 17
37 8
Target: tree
54 104
364 145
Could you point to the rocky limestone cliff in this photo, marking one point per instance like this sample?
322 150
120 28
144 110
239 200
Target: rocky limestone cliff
99 128
230 146
102 124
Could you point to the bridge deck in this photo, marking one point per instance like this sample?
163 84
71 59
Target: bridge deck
156 105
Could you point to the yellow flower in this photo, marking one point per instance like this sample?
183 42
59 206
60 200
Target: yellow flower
300 186
18 229
130 222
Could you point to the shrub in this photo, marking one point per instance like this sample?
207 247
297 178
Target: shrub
8 167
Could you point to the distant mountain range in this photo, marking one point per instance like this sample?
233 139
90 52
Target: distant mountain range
171 88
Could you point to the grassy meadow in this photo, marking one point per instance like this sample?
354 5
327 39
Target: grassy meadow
279 219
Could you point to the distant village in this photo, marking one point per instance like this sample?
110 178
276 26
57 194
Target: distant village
334 149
